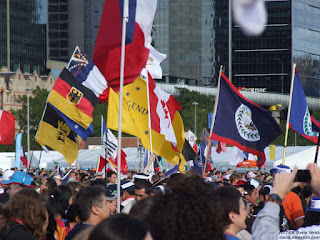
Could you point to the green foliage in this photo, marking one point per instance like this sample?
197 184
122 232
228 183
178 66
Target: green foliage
37 104
205 106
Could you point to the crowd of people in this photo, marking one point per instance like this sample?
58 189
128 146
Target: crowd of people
222 205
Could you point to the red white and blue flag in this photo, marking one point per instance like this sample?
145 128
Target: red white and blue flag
107 51
23 157
300 119
242 123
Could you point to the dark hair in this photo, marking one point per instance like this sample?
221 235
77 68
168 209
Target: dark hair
119 227
226 200
99 182
185 211
72 213
73 185
234 176
146 185
86 199
110 173
29 207
59 200
248 188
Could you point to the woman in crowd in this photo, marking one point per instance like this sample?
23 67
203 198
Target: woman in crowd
25 216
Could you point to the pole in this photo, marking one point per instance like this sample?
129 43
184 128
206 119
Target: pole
213 116
124 21
288 116
28 126
8 35
195 117
316 156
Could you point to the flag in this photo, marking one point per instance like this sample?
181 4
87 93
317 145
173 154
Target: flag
135 121
163 107
54 132
74 100
191 137
107 50
18 150
242 123
171 171
23 157
221 147
300 119
239 156
188 152
87 73
111 143
7 128
78 129
153 64
105 165
200 159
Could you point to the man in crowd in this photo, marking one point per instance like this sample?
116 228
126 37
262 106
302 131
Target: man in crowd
142 189
111 178
92 207
128 196
17 181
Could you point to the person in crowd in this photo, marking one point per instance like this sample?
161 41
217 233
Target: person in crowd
25 216
91 206
234 178
232 210
18 181
293 209
186 210
128 196
4 197
59 202
111 177
142 189
47 186
266 224
251 194
72 216
312 213
120 227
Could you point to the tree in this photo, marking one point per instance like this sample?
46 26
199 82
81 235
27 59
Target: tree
37 103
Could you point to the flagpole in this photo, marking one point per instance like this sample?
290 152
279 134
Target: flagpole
288 116
316 155
213 119
105 150
124 21
149 118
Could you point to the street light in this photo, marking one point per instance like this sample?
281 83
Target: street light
281 73
195 117
28 123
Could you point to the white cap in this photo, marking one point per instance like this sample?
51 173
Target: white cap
7 174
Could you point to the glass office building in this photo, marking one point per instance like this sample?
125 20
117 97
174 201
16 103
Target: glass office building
177 33
24 45
292 36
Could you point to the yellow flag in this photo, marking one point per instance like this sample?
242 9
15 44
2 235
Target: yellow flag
135 121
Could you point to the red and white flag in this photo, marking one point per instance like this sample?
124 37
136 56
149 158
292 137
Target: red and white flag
163 107
7 128
105 166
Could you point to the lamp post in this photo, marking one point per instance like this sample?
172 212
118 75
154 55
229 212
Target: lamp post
281 73
195 117
28 122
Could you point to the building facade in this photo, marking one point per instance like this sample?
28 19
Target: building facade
23 35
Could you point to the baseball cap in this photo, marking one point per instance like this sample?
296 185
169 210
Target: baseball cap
109 195
265 190
240 182
127 185
21 178
314 205
113 189
283 168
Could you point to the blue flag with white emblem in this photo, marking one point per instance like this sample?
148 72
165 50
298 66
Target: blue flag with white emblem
242 123
300 119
